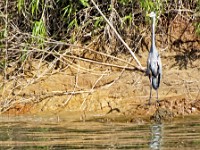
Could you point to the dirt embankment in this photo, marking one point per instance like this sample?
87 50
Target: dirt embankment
104 90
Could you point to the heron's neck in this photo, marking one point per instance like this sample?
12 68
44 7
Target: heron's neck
153 33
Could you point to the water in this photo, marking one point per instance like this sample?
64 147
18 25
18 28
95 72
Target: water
39 133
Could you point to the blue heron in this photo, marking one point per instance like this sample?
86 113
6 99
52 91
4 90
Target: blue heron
154 66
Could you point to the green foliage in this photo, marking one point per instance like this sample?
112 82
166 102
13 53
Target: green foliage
73 38
69 19
84 3
149 5
24 54
128 19
34 6
73 24
198 5
3 33
197 25
20 5
124 2
68 10
39 31
3 64
69 15
98 22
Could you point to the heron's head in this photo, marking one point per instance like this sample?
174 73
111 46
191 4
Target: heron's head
152 14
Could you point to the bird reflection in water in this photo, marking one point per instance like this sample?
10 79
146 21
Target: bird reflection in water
156 137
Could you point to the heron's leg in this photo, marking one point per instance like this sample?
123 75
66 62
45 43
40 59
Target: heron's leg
150 95
157 95
150 91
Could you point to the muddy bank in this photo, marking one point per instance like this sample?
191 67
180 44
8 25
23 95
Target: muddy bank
120 93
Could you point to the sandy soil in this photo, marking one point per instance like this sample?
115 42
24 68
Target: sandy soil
105 91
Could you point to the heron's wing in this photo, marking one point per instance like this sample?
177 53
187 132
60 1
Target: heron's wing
158 83
159 65
148 64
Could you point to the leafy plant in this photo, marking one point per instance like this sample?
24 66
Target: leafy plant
149 5
84 3
34 6
128 19
197 25
24 54
98 22
39 31
124 2
20 4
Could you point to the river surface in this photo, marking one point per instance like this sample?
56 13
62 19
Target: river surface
24 132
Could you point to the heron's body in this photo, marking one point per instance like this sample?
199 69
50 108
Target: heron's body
154 66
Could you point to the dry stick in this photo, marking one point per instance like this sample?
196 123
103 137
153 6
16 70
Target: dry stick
6 43
91 90
96 62
89 49
37 76
75 86
75 66
116 79
101 63
120 38
91 61
198 92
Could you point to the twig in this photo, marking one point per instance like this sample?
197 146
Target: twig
75 86
102 63
91 90
89 49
